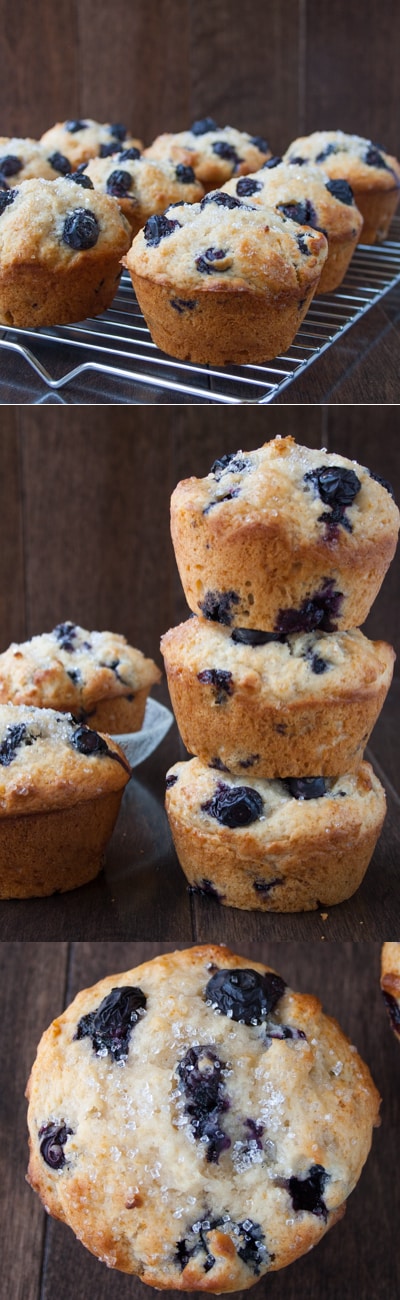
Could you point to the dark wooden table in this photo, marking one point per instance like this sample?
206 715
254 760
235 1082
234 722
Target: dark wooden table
41 1259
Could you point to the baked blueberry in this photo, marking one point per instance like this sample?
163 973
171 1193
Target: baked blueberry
252 1250
248 186
317 664
65 634
252 636
337 488
273 162
234 806
184 174
15 736
52 1140
226 151
183 304
264 886
341 190
306 1192
157 228
374 158
301 211
383 482
316 612
203 125
260 143
245 995
10 165
80 179
217 606
110 1026
196 1241
60 163
118 183
88 742
77 125
220 679
206 888
229 496
6 197
234 462
118 130
107 150
306 787
325 153
129 153
81 229
202 1081
205 263
303 246
171 780
223 200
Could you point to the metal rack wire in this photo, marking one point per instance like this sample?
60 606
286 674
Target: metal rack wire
117 345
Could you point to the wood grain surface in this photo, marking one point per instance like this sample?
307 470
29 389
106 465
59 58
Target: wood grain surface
86 504
41 1259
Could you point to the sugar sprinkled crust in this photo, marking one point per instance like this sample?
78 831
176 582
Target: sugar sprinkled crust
85 138
48 761
198 1193
33 158
278 706
256 512
390 983
282 845
32 225
143 186
215 154
350 156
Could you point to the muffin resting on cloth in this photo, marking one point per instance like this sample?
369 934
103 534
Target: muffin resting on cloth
61 785
84 138
214 152
390 983
196 1122
96 676
274 705
60 252
223 281
373 174
143 186
284 539
274 846
307 195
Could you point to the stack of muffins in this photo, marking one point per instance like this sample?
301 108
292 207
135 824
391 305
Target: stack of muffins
281 552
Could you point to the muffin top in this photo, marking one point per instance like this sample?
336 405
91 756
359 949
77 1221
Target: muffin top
55 222
364 164
22 160
256 811
287 668
196 1122
71 668
49 760
310 494
144 185
225 244
84 138
390 983
214 152
305 194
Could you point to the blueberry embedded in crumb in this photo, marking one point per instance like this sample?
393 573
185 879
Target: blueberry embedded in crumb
218 765
110 1026
306 787
118 130
229 496
65 634
183 304
233 462
259 143
252 1250
326 153
221 199
341 190
383 482
132 153
247 186
318 611
118 183
221 681
337 488
245 995
306 1192
250 761
317 664
184 174
272 162
205 263
170 780
217 606
264 886
234 806
207 889
226 151
295 161
203 125
107 150
301 211
374 158
81 229
6 198
76 125
202 1082
10 165
15 736
303 246
252 636
60 163
79 178
52 1140
157 228
88 742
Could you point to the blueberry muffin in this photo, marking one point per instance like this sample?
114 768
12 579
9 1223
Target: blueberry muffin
23 160
196 1122
308 196
83 139
60 252
274 846
284 539
373 174
61 785
96 676
143 186
274 705
223 281
390 983
215 153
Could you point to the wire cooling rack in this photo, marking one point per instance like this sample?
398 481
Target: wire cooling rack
118 345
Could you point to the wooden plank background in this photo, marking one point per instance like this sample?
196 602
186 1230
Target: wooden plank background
41 1259
157 64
